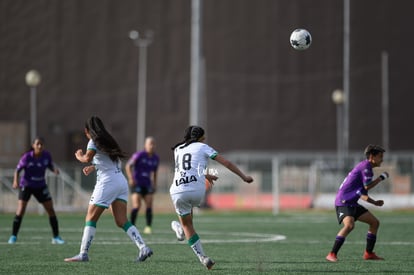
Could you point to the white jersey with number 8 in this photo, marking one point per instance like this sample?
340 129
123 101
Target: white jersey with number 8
190 167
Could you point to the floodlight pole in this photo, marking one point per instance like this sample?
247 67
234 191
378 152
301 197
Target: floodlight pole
33 79
142 43
385 101
338 99
346 78
197 70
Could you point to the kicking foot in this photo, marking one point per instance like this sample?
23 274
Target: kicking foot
178 229
207 262
78 258
144 253
371 256
331 257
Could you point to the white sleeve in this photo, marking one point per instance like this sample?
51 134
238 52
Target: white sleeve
91 145
210 152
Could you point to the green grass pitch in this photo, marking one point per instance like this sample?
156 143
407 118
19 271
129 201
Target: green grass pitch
240 243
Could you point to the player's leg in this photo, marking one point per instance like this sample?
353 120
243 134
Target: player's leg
136 204
345 216
194 240
373 223
23 199
119 210
92 217
17 221
148 199
183 204
53 221
43 196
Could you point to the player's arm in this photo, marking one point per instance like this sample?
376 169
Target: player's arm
211 179
20 166
374 183
16 178
88 169
154 179
128 170
52 167
85 157
372 201
229 165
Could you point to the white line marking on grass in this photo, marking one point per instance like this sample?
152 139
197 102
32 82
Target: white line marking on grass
168 237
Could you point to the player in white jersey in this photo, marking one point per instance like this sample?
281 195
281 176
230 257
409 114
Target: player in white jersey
111 188
188 188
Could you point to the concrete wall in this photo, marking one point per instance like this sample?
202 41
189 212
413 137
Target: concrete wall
261 94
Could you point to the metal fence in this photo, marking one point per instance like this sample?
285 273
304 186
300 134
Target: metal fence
281 181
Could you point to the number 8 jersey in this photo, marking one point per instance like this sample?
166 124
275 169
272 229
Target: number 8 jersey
190 167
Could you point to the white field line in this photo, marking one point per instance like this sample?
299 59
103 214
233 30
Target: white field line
166 237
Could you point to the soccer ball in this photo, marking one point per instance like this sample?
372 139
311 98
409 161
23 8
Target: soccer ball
300 39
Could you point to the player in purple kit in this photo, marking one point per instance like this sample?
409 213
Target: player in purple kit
141 170
355 187
34 163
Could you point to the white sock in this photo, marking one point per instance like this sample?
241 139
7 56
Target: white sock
133 233
88 234
198 249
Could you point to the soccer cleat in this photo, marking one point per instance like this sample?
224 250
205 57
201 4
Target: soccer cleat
147 230
144 253
57 240
178 229
331 257
371 256
207 262
12 239
78 258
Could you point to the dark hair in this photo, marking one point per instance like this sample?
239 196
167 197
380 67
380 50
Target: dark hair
374 150
102 139
191 134
41 139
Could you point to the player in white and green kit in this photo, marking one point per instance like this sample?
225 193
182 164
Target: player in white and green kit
111 188
188 188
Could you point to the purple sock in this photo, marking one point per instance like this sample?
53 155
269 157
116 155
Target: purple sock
339 241
371 239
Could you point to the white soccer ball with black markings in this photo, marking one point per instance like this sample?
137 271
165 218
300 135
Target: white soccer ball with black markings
300 39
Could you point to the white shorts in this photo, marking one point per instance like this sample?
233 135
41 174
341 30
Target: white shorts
109 189
185 201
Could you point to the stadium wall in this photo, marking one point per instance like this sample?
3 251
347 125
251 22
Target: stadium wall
261 94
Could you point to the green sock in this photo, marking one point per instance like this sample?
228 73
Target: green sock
195 243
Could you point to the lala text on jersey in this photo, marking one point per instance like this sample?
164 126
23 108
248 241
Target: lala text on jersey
185 179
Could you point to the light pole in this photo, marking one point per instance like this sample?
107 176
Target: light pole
346 73
142 42
33 80
339 99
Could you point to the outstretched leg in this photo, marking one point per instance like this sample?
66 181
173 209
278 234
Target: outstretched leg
348 226
92 217
194 240
119 210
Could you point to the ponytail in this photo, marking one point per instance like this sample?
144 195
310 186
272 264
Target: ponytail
191 134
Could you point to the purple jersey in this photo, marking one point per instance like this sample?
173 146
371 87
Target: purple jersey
34 169
354 185
144 165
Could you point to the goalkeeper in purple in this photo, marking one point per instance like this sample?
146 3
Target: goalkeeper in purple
34 164
355 187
